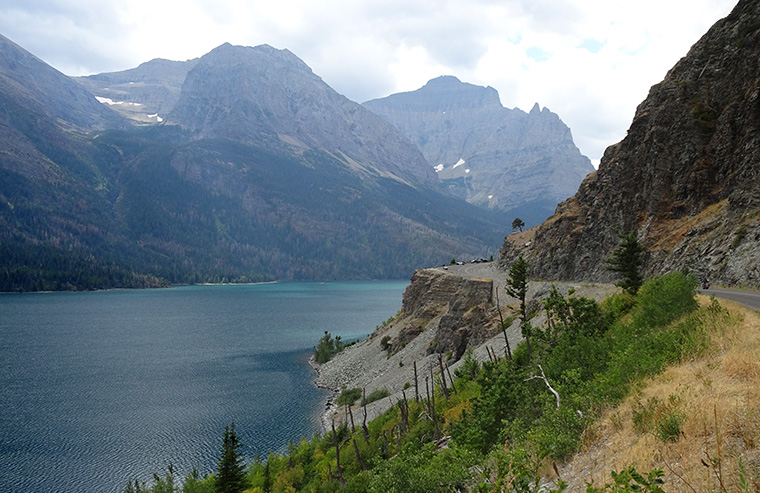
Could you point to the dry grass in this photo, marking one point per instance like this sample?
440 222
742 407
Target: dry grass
667 233
715 399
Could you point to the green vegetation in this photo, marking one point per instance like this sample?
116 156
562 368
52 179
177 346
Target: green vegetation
626 261
517 224
507 417
230 472
377 395
327 348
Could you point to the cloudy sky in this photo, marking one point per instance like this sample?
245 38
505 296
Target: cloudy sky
590 61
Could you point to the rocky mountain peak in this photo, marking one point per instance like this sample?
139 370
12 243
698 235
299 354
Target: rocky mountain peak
487 154
263 95
685 179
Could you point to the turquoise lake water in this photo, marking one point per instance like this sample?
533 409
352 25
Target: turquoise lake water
102 387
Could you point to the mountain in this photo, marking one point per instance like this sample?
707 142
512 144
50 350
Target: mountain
274 176
487 154
685 179
28 82
145 93
261 94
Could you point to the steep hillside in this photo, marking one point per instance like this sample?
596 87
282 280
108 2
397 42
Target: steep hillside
27 81
685 179
487 154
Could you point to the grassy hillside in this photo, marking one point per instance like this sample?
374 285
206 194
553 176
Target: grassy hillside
659 388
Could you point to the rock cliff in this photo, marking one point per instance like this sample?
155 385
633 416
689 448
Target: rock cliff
685 179
487 154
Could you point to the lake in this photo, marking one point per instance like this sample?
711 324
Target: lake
102 387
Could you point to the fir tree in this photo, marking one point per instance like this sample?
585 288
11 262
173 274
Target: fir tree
517 224
626 261
230 474
517 287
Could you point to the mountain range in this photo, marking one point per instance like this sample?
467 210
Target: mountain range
257 171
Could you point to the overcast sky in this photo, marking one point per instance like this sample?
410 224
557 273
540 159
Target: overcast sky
590 61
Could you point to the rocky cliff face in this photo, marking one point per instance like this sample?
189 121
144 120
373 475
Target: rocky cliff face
685 179
458 308
487 154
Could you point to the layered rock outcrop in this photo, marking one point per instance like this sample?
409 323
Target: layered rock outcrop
686 178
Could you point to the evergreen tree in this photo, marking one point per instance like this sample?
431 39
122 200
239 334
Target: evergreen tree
626 261
517 224
230 474
517 287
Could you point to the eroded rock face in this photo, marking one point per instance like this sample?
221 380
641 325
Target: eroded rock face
685 179
455 307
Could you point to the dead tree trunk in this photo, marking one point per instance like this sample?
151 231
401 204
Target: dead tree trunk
432 407
358 456
416 388
507 349
350 413
451 379
443 377
337 451
364 423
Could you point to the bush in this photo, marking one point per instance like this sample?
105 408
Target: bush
349 396
663 299
376 396
327 348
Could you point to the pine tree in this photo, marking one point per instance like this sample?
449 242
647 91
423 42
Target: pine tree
517 287
626 261
517 224
230 474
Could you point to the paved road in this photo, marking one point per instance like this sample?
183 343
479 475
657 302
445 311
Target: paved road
750 299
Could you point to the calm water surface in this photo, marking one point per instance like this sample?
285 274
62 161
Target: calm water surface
98 388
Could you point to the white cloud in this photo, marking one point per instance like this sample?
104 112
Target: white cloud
591 62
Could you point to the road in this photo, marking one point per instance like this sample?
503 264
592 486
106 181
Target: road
488 270
748 298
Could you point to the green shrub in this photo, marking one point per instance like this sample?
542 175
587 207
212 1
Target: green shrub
327 348
376 396
663 299
349 396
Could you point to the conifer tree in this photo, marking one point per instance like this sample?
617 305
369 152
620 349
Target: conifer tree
230 474
626 261
517 224
517 287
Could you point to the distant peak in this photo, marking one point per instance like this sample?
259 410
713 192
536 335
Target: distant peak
448 80
536 109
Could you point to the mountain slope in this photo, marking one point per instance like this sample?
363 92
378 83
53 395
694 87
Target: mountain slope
685 179
487 154
29 82
264 95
